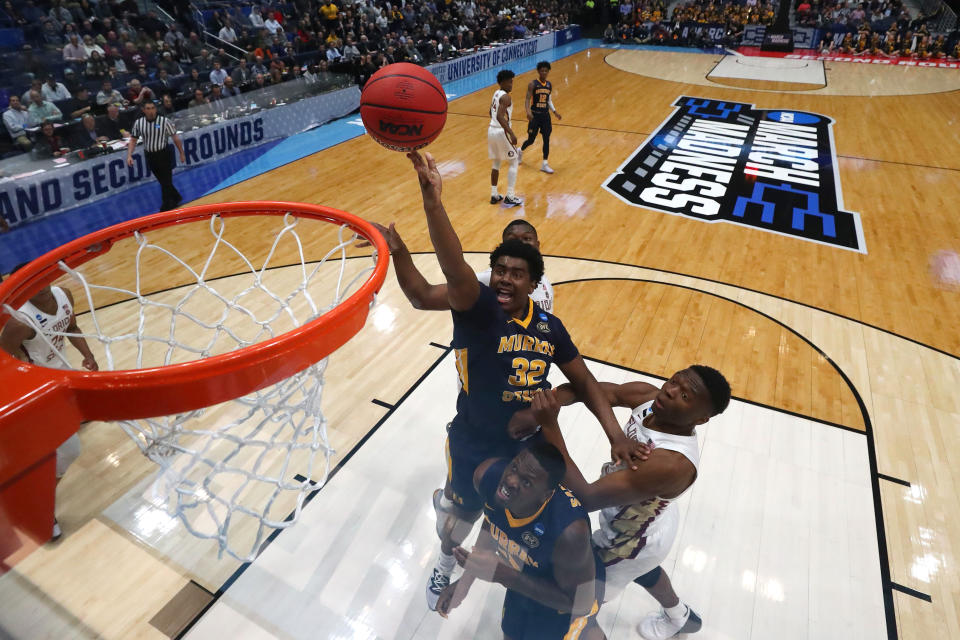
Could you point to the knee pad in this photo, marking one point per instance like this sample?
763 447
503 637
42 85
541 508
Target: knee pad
649 579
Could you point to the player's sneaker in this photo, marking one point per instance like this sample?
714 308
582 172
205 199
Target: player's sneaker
497 199
658 626
512 201
546 168
435 586
57 532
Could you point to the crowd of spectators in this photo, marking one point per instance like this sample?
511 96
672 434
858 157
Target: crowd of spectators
691 23
94 62
877 27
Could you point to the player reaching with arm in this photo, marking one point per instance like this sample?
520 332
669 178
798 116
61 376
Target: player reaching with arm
638 515
535 541
433 297
538 104
37 335
502 141
504 347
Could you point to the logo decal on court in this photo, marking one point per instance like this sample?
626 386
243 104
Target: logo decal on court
730 162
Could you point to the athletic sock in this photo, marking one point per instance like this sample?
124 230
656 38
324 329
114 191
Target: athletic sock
446 563
511 179
493 191
676 612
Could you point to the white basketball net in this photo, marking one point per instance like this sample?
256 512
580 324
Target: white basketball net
234 471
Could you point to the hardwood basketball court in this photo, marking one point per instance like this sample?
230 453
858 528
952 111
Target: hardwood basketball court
844 364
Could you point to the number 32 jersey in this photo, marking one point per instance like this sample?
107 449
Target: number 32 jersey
501 362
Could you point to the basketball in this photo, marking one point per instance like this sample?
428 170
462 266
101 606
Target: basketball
403 106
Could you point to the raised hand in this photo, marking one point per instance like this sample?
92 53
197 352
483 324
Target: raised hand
427 173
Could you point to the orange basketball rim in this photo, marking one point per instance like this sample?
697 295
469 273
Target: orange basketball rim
41 407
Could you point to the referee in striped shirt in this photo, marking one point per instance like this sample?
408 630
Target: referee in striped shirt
156 132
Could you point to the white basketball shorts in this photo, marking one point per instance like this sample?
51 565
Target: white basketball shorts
498 147
659 539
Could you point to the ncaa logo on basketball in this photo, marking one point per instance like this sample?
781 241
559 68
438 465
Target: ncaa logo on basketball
530 540
719 161
401 129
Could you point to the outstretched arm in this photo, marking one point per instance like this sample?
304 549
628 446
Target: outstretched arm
622 449
664 473
628 394
421 294
463 289
79 342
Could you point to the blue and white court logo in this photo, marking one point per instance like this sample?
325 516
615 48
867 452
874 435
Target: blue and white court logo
730 162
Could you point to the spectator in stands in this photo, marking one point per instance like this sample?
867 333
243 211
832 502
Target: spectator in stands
333 54
53 90
168 65
276 77
49 144
70 81
138 92
195 82
17 118
230 90
131 57
78 105
256 18
271 25
108 95
609 35
41 110
167 106
52 40
259 82
218 75
192 47
217 104
143 75
227 32
259 67
90 46
329 12
199 102
74 51
86 136
96 66
59 14
350 50
164 82
112 126
204 63
241 73
116 62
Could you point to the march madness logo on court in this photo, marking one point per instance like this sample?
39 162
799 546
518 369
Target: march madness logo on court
729 162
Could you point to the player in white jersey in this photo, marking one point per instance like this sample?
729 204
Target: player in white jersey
638 515
502 141
37 336
433 297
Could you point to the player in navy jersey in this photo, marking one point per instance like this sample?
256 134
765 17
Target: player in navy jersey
639 517
433 297
504 347
539 104
535 541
